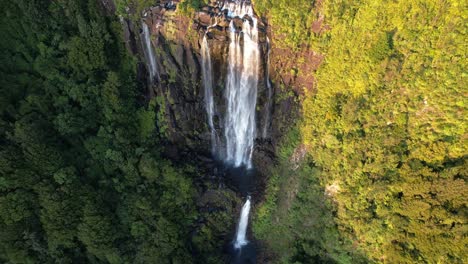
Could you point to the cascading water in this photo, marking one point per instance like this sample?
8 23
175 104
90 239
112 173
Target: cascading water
269 93
240 94
241 239
148 52
241 86
208 85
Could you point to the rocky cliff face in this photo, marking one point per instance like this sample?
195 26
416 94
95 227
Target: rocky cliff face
177 40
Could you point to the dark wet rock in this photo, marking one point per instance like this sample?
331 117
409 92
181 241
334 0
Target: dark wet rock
129 37
261 26
181 112
219 36
217 198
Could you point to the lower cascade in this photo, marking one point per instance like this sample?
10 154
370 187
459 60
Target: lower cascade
241 239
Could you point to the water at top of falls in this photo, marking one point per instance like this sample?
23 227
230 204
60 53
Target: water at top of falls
241 88
269 93
238 9
241 239
207 72
148 52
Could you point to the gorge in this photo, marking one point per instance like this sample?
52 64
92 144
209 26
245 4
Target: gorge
207 132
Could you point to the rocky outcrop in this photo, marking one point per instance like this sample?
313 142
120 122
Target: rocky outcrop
178 87
177 39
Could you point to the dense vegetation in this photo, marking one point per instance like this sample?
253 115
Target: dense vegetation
82 178
385 129
296 218
374 172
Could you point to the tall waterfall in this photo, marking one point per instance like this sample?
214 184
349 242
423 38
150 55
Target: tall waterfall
241 239
148 52
241 86
208 85
240 94
269 93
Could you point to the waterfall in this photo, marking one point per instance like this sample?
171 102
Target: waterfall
240 94
208 85
148 52
269 93
241 239
241 86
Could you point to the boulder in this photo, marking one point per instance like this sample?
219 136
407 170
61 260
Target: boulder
238 23
219 35
203 18
223 21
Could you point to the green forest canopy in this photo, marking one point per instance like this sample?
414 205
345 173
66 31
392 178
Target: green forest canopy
385 127
82 179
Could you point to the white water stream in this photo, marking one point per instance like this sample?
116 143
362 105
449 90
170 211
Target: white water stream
208 87
241 239
148 52
241 86
241 96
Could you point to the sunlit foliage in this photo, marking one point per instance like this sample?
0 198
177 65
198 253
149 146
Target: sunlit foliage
384 124
387 123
